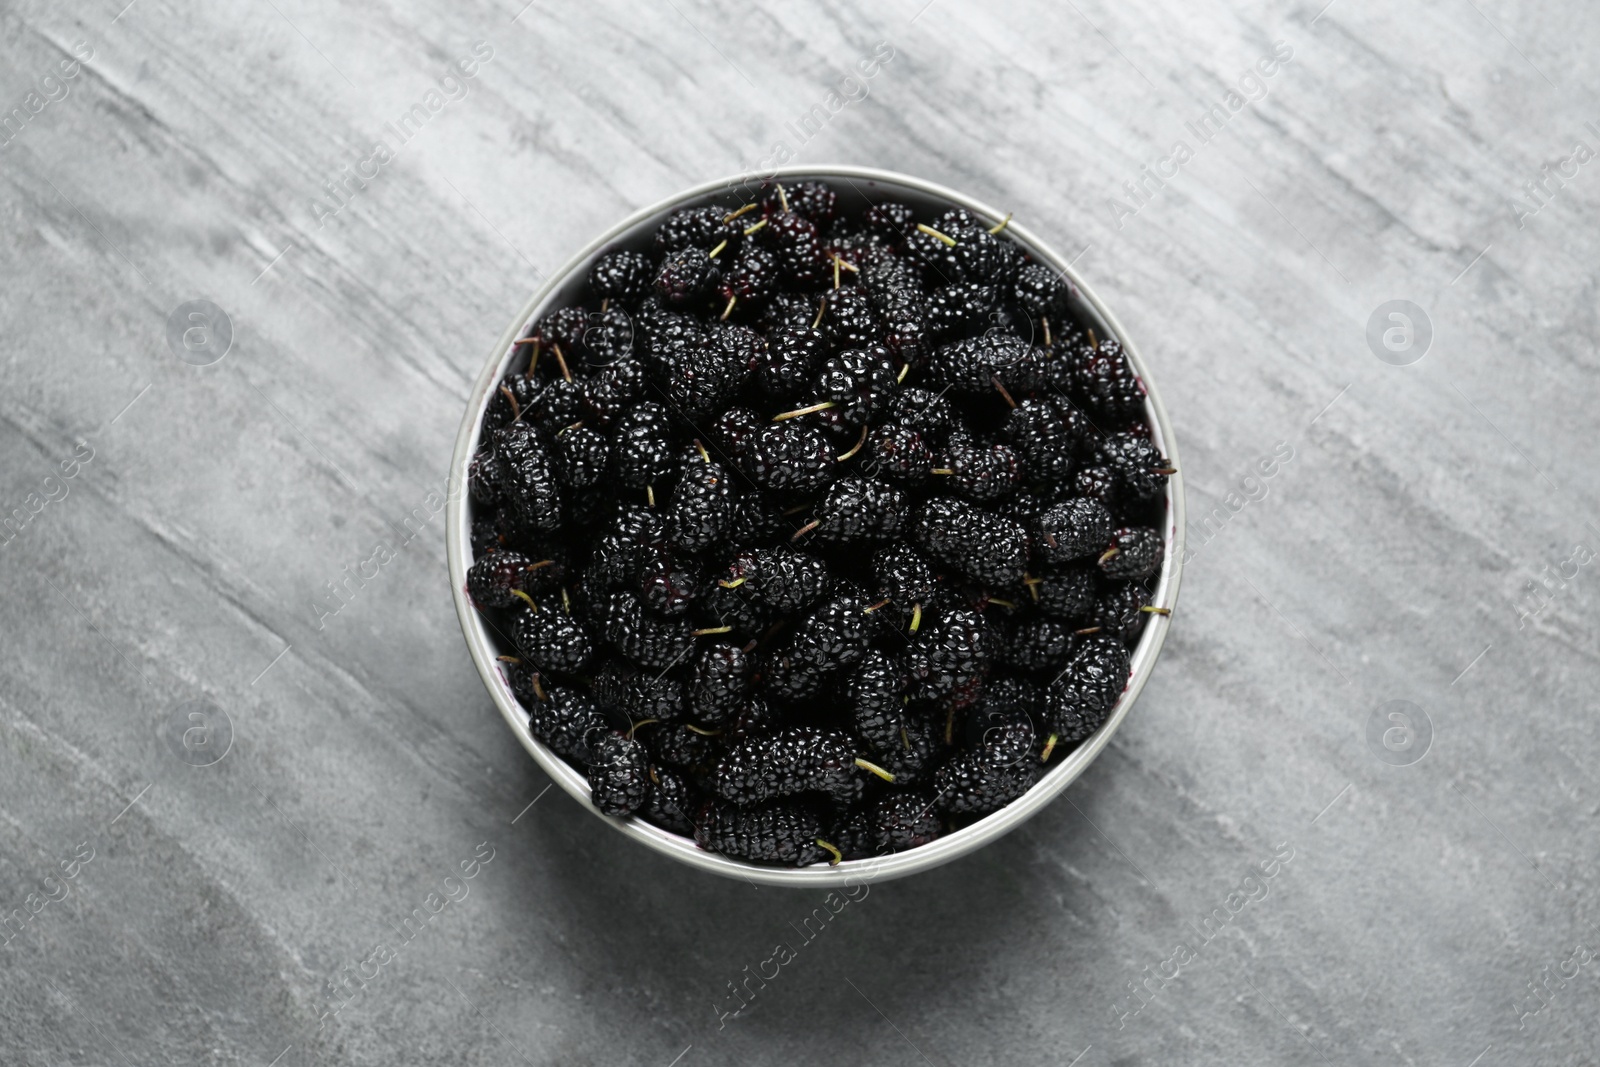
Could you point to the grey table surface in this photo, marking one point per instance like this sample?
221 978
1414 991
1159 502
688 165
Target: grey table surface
1259 869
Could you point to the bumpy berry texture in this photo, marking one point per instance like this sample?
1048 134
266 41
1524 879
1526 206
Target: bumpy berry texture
619 775
495 580
552 640
566 720
782 833
845 518
798 760
1079 699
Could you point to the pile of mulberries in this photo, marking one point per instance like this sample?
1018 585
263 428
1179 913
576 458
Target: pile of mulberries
816 537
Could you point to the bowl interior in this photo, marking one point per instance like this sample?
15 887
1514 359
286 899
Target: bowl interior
857 188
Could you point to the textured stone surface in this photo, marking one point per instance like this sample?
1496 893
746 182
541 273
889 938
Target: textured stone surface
1389 559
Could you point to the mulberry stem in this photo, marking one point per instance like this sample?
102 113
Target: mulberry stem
857 447
824 406
873 768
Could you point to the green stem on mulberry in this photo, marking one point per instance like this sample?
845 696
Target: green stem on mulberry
931 232
857 448
795 414
873 768
837 855
1002 225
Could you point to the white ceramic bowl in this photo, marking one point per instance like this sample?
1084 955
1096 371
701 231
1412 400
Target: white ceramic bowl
857 187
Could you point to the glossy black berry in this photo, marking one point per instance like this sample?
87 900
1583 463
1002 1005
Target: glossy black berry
651 641
483 477
567 720
515 394
1078 701
686 276
1097 483
904 820
872 693
982 472
528 476
800 759
798 246
552 640
852 319
1135 554
700 228
493 581
860 511
613 390
984 546
858 384
1041 292
903 575
782 578
1108 382
974 783
1120 610
793 355
1140 467
581 457
703 507
637 696
956 310
815 200
642 449
1072 529
897 453
891 219
619 775
623 276
929 413
790 457
721 684
669 581
1038 646
1065 593
782 833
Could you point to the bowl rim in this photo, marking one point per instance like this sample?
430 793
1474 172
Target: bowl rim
850 872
